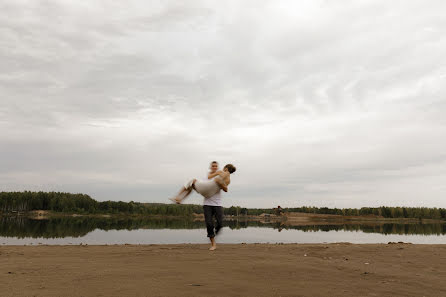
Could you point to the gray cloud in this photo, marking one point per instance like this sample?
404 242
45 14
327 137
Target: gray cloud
316 102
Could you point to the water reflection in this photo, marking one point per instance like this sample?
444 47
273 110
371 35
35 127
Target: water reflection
387 228
22 227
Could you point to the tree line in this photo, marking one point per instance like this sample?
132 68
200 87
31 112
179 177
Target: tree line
383 211
84 204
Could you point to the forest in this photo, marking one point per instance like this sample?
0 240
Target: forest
84 204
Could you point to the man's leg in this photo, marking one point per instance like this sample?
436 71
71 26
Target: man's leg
219 218
208 218
213 243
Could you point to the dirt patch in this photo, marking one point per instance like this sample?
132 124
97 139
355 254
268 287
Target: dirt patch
233 270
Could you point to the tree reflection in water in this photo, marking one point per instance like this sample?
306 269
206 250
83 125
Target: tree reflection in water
60 227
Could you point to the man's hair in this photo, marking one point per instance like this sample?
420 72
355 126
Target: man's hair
214 162
231 168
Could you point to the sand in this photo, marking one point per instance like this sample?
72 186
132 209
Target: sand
232 270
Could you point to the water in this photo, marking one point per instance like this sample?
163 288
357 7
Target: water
85 230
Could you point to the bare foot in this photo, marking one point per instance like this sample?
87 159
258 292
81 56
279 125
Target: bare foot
175 200
213 244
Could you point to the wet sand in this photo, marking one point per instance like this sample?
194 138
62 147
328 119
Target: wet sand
232 270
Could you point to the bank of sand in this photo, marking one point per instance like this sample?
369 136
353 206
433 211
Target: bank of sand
232 270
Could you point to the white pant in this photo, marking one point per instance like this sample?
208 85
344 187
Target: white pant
207 188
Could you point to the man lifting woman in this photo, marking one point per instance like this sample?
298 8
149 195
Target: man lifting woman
210 188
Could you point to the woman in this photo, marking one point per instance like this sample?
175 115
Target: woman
218 180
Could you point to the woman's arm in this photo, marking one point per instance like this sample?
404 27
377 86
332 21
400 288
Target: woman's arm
223 180
225 176
212 175
221 183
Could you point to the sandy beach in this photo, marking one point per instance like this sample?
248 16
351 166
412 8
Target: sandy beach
232 270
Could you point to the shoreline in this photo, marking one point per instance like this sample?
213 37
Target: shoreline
290 219
337 269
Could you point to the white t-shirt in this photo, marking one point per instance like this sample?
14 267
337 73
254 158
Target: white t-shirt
214 200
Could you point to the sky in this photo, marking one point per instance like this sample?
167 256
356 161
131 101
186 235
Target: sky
317 103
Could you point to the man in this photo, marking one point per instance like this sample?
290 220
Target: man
210 189
212 208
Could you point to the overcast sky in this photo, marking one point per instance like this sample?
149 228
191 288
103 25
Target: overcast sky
324 103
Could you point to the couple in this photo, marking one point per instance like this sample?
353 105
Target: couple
210 188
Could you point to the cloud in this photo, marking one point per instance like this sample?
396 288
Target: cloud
316 102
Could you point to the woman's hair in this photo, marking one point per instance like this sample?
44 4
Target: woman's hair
231 168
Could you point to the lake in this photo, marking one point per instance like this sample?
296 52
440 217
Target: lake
92 230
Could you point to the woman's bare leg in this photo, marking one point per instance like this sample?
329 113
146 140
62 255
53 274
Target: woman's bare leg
183 193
